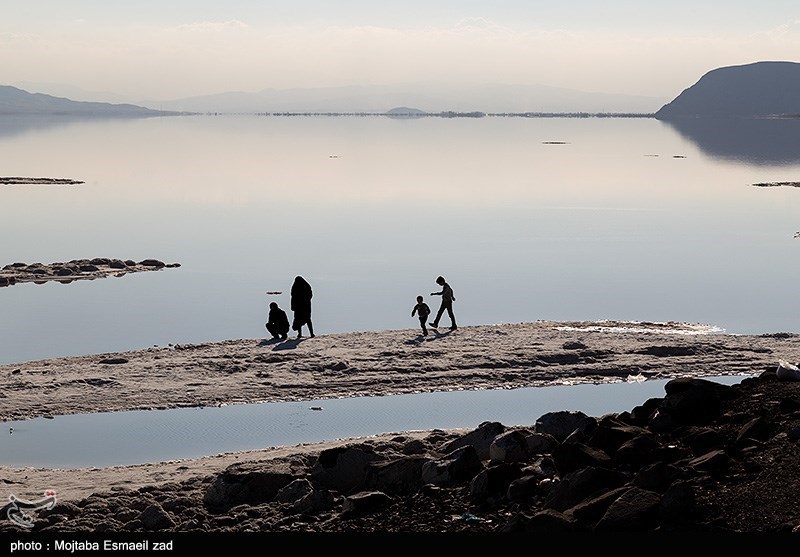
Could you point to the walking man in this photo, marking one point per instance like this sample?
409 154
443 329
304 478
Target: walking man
447 304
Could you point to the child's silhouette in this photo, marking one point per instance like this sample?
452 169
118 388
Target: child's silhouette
423 311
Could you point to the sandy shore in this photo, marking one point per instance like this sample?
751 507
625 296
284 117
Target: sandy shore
354 364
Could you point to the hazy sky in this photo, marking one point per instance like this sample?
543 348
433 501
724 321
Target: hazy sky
169 49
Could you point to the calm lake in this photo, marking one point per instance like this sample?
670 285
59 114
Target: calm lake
552 218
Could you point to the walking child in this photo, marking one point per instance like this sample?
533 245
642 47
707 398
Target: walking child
423 311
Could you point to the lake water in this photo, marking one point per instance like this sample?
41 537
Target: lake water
553 218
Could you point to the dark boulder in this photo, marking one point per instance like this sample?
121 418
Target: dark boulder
481 439
703 439
592 509
343 468
678 503
640 415
636 510
365 502
581 485
562 423
511 446
569 457
757 428
492 483
657 476
540 443
245 484
611 433
155 517
636 452
714 462
459 466
400 475
689 401
523 488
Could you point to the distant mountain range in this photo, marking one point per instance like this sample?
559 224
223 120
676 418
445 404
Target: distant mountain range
761 89
428 97
18 102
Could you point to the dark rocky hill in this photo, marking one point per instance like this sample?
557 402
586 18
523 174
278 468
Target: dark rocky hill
19 102
761 89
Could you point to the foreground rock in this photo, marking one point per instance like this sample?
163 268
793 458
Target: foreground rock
734 467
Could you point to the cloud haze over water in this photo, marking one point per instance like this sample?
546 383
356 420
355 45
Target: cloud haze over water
167 50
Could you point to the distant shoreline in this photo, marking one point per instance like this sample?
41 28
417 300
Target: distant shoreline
443 114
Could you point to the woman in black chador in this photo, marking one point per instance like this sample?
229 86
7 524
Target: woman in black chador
301 306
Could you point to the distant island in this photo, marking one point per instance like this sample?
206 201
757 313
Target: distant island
757 90
77 269
404 111
28 181
15 101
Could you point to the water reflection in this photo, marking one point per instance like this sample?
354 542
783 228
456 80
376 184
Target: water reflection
754 141
14 125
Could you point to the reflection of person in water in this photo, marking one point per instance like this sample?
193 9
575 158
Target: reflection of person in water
277 322
447 304
301 306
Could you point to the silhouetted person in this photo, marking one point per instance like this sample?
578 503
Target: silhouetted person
423 311
447 304
277 322
301 306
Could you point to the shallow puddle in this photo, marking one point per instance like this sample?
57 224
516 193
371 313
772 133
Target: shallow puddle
119 438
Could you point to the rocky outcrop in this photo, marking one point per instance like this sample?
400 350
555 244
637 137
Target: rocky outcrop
76 269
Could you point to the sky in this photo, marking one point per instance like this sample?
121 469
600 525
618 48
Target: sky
170 49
